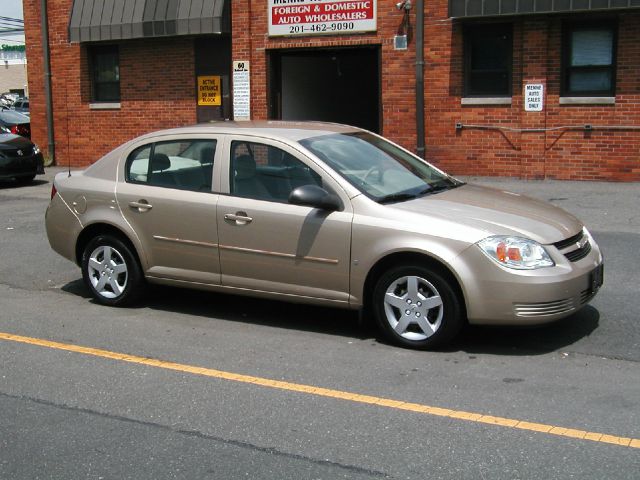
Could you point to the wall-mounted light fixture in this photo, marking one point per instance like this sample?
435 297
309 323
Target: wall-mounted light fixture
403 36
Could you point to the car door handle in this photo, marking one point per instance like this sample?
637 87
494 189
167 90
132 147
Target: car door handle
141 206
240 218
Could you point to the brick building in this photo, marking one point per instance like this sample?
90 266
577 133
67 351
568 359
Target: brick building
524 88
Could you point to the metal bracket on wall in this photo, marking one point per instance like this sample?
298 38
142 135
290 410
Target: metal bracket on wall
587 127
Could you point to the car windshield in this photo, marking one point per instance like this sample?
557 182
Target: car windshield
378 168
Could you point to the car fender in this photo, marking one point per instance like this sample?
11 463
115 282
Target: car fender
62 232
368 251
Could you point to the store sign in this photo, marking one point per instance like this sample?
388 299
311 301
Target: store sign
241 91
533 97
209 90
321 17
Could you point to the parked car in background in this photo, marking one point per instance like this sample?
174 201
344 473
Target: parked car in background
20 159
7 98
325 214
15 122
21 105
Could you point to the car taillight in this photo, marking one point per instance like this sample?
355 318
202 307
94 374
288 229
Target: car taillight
53 190
22 130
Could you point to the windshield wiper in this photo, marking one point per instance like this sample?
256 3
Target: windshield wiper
442 187
397 197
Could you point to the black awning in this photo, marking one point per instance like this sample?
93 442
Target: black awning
100 20
494 8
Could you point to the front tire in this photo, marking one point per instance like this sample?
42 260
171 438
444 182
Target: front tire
416 307
111 271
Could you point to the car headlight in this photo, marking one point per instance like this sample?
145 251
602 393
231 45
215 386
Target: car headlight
515 252
36 149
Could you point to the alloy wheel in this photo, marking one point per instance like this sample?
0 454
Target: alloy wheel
413 308
107 271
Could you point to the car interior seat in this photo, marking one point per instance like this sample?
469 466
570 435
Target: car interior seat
160 162
245 179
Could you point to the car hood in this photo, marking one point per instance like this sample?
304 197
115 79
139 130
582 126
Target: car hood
497 212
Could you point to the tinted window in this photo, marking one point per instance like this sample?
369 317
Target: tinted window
487 57
589 59
182 164
105 73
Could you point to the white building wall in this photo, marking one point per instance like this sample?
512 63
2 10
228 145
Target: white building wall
13 72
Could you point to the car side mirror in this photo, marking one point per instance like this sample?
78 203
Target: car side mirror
316 197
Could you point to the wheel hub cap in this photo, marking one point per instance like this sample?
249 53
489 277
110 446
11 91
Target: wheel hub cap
413 308
107 271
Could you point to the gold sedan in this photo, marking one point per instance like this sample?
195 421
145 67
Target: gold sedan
325 214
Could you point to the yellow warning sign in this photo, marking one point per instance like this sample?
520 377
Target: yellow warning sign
209 90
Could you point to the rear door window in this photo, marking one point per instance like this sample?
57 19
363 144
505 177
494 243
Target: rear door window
185 164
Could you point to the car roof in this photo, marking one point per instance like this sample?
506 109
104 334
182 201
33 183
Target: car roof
284 130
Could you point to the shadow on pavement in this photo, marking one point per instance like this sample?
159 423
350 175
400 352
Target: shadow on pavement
7 184
236 308
536 340
533 340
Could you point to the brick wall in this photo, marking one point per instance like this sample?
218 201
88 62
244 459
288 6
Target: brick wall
608 152
158 90
250 42
602 154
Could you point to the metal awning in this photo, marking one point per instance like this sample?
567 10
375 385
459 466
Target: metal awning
100 20
495 8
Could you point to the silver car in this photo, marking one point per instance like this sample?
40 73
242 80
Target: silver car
324 214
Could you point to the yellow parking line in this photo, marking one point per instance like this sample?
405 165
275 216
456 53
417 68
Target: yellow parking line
326 392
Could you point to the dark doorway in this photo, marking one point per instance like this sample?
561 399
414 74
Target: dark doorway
332 85
213 59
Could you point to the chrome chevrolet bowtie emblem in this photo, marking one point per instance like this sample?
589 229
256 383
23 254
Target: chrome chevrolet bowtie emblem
582 242
20 153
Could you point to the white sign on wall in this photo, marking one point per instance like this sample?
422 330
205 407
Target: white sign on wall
533 97
318 17
241 91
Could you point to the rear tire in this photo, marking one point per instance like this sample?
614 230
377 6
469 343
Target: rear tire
416 307
111 271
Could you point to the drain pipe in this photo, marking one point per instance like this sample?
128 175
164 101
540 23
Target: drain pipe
47 78
420 148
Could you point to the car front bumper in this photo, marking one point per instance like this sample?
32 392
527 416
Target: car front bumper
17 167
496 295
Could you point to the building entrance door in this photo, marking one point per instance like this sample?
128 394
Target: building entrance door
212 62
334 85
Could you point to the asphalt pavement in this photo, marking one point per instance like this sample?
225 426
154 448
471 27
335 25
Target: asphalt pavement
244 388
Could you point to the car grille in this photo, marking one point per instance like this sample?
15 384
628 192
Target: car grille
574 248
13 152
544 309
